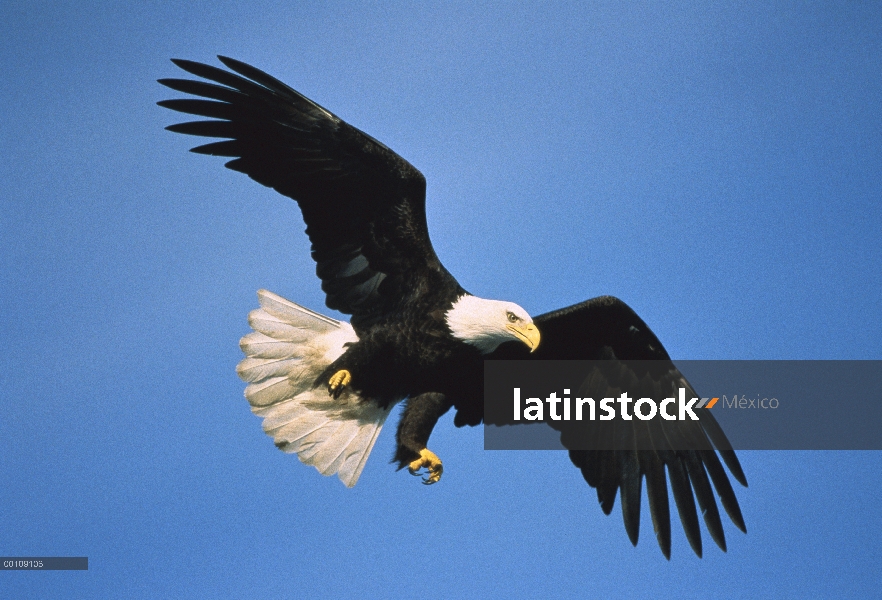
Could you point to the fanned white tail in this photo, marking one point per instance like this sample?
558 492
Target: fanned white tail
289 349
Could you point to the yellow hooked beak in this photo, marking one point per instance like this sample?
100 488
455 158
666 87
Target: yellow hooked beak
528 334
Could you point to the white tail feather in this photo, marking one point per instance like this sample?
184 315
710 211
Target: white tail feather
287 352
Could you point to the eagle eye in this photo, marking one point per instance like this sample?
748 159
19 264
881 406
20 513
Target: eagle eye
512 318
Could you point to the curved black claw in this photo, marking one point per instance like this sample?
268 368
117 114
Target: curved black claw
432 463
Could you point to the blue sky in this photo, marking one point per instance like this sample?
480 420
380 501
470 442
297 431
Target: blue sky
715 165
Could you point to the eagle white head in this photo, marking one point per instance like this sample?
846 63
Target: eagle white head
487 323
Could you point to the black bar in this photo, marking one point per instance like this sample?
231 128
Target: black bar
760 404
44 563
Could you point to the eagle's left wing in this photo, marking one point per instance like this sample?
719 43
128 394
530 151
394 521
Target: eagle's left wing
685 452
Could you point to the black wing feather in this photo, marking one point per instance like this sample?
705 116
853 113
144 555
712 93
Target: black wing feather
705 497
632 485
682 492
364 206
659 509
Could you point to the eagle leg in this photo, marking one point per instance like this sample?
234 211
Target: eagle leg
420 415
338 381
431 461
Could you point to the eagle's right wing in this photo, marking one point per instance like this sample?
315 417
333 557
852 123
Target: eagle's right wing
364 205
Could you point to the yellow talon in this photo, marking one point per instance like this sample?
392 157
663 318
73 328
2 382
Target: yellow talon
338 381
429 460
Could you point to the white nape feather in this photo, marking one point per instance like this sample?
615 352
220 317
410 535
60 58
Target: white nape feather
290 347
483 323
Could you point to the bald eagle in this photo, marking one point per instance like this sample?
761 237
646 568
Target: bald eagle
324 387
